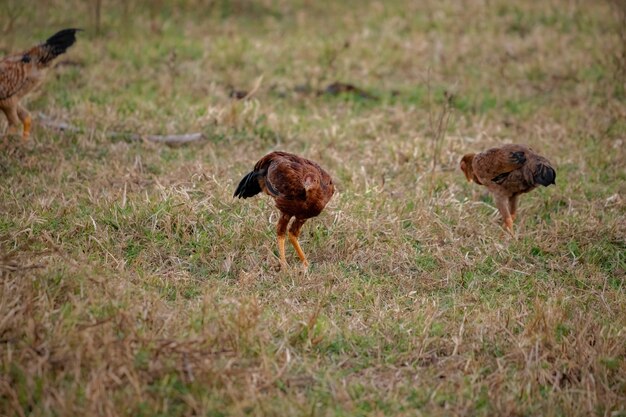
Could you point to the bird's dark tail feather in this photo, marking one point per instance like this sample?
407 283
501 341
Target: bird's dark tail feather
58 43
248 186
545 175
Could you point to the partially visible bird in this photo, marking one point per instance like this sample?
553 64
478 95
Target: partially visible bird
508 171
300 188
21 73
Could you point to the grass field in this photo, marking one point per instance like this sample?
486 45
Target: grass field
132 283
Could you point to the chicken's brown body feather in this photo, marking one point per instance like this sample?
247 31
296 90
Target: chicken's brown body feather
508 171
299 187
285 182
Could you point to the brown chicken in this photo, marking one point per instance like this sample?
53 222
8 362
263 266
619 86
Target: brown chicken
21 73
300 188
507 172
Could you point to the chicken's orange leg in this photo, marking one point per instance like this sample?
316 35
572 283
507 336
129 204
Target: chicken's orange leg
27 123
281 251
24 116
13 120
294 232
513 207
281 230
503 206
508 224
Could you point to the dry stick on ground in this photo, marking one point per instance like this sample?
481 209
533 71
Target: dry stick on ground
233 109
50 123
255 87
243 94
438 129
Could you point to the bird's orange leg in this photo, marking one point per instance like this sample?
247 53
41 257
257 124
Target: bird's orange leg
294 232
508 224
281 230
13 120
513 207
503 206
24 116
281 251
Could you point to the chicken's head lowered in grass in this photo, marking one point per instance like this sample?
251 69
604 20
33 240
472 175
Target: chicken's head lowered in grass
466 167
508 171
300 188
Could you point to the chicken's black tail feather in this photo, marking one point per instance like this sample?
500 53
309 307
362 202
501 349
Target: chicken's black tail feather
545 175
58 43
248 186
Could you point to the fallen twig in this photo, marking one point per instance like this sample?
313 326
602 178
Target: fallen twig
50 123
338 87
243 94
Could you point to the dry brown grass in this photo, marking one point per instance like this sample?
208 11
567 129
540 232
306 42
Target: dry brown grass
131 283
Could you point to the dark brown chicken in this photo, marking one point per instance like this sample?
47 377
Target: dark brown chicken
21 73
300 188
507 172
